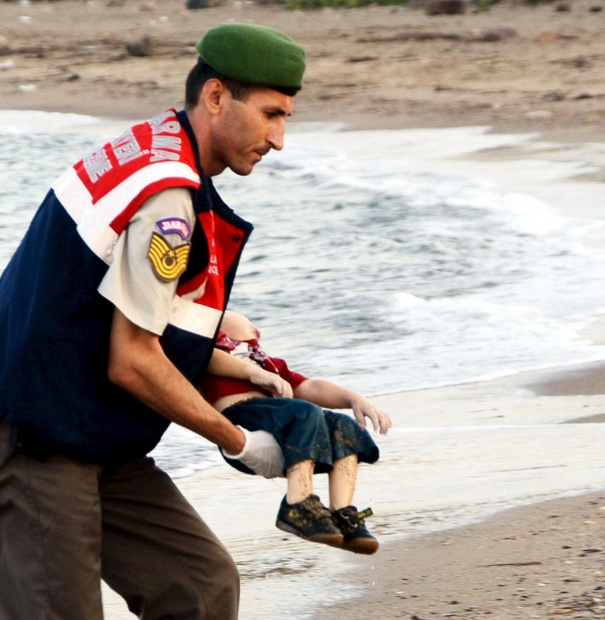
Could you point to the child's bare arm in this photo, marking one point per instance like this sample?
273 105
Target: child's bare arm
224 365
331 396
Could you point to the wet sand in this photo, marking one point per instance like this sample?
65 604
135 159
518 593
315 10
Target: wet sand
489 501
544 560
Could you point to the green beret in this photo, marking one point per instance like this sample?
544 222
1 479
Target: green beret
254 55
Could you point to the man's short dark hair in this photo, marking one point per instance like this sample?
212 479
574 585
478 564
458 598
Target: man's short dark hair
203 72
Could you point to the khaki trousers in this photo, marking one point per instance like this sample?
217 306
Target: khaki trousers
65 524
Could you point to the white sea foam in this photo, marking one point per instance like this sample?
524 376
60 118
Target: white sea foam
34 122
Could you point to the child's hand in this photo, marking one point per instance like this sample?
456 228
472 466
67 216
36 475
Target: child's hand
271 382
363 408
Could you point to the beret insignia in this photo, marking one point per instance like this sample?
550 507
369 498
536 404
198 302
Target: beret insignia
168 263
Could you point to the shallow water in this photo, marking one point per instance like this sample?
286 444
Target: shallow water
363 268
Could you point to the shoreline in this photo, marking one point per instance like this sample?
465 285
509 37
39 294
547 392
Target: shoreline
539 561
511 480
541 558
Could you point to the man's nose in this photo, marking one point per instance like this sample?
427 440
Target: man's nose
276 134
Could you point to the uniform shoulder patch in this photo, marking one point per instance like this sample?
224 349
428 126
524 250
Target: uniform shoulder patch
175 225
168 263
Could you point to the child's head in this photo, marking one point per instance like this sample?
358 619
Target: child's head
238 327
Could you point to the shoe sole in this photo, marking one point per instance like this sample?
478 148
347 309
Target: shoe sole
366 546
333 540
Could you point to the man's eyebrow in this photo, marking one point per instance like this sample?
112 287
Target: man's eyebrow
277 110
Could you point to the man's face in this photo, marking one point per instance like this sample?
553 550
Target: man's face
247 130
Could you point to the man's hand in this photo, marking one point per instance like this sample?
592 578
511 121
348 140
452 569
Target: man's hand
261 454
138 364
270 382
363 408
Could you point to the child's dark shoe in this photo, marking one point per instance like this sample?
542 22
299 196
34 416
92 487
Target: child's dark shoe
352 525
310 520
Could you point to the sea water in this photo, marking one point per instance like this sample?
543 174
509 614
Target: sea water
365 268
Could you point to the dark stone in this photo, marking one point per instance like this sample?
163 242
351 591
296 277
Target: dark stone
498 34
446 7
197 4
362 58
142 47
553 96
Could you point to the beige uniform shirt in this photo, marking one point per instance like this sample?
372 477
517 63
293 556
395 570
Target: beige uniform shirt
148 259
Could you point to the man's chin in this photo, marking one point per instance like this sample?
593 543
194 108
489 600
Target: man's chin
242 171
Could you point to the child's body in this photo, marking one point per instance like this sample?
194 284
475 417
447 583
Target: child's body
313 440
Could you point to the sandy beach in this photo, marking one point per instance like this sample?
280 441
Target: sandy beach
516 67
496 508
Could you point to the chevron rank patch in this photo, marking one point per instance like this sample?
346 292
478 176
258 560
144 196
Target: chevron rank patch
168 263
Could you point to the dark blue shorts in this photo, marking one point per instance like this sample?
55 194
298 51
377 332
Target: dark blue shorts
304 431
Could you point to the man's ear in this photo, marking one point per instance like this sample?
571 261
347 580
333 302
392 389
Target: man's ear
213 95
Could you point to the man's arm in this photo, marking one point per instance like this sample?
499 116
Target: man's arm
331 396
138 364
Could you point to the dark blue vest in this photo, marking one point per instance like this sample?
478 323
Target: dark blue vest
54 335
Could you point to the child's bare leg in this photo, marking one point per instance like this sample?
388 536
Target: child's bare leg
343 478
302 513
300 481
